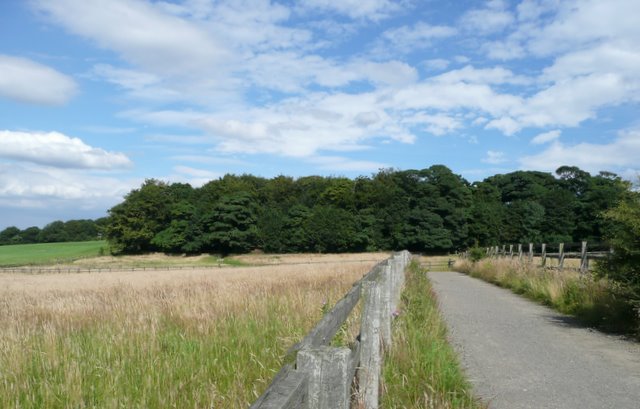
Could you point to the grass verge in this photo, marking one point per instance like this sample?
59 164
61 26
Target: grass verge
422 369
50 253
595 302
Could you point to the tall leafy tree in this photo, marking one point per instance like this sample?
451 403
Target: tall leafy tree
135 222
231 226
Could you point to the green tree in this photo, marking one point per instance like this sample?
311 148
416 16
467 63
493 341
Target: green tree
623 265
135 222
53 233
30 235
331 229
231 226
10 235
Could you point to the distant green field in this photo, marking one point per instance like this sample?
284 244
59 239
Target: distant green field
49 253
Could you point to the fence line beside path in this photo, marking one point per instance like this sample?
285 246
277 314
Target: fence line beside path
320 376
542 252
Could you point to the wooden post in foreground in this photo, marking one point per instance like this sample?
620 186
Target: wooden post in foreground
328 376
530 252
544 255
370 354
386 308
510 250
561 257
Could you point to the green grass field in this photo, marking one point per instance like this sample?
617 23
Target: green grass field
49 253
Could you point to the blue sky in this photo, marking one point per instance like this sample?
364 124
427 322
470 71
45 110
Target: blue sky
96 96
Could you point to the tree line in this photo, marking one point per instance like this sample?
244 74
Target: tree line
431 210
57 231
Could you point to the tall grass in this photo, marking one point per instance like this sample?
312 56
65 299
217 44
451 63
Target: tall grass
595 302
422 370
210 341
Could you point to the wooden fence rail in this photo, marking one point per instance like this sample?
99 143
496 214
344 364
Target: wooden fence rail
320 376
561 255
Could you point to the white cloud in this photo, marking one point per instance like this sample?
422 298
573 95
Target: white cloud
195 177
470 74
356 9
339 163
505 124
436 64
23 184
447 96
492 18
620 154
494 158
610 21
407 39
546 137
57 150
438 124
144 34
294 73
25 80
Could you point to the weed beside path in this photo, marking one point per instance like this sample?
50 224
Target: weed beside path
595 302
422 369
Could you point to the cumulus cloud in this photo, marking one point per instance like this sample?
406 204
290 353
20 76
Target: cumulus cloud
492 18
144 35
356 9
436 64
470 74
339 163
28 185
407 39
27 81
57 150
546 137
494 157
620 154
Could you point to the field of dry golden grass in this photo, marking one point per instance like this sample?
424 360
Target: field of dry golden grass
154 339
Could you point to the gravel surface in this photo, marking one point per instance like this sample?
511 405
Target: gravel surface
518 354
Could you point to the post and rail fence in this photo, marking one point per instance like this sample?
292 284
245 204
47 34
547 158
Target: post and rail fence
319 376
558 252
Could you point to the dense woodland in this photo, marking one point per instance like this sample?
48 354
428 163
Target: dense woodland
55 232
429 210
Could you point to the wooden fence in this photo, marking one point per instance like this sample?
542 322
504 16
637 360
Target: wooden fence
541 251
318 375
68 269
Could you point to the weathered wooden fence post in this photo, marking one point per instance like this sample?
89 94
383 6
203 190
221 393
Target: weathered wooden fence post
530 252
370 354
584 260
519 252
510 250
329 383
561 256
543 255
504 250
385 300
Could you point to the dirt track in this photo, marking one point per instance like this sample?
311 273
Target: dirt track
522 355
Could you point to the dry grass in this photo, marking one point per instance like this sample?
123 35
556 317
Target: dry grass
309 258
597 302
183 339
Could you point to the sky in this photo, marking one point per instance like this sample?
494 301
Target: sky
97 96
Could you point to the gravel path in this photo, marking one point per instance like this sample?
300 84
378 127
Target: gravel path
519 354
